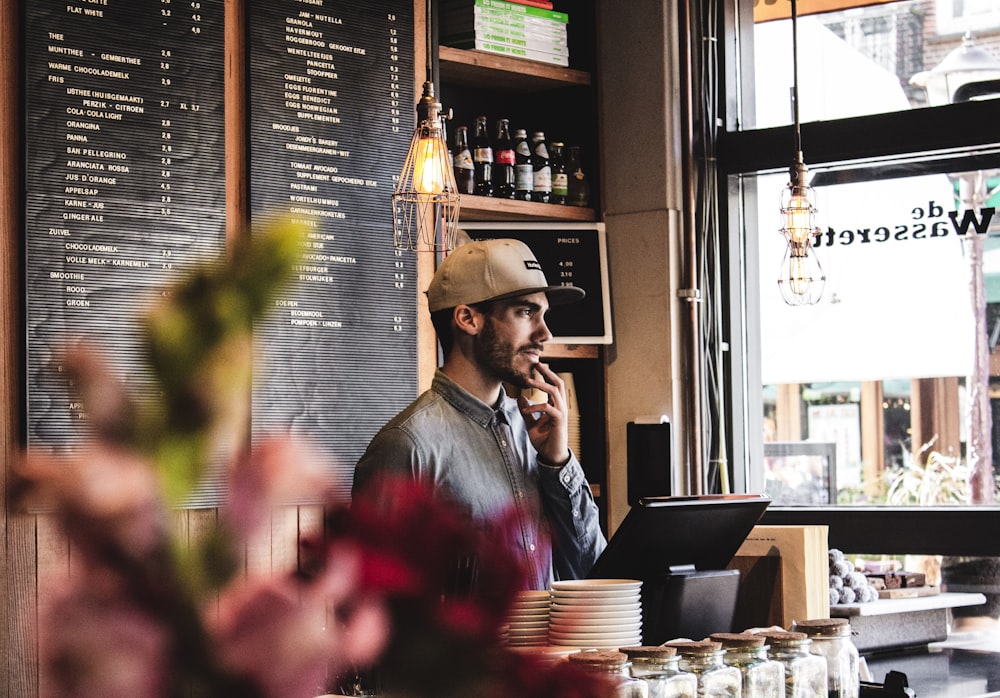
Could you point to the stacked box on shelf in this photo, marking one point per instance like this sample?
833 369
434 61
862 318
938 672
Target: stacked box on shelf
507 28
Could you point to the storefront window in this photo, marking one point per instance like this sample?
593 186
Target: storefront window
897 363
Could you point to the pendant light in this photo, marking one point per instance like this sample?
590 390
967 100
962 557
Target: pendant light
425 203
801 279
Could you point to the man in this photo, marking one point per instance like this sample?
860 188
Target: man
492 453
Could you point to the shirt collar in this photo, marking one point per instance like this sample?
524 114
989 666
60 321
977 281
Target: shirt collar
505 408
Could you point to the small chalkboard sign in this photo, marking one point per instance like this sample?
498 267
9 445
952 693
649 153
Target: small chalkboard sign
571 254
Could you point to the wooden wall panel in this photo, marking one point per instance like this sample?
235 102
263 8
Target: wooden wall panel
18 671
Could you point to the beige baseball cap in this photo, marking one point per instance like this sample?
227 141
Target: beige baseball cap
490 270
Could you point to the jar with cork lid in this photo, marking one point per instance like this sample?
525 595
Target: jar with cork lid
611 668
831 639
805 673
658 667
763 677
704 659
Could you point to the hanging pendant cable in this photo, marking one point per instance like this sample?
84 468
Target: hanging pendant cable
795 81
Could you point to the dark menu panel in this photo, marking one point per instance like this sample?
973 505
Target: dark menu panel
332 112
570 254
125 162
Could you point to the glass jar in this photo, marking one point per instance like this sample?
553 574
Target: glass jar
762 676
704 659
831 639
657 666
613 668
805 673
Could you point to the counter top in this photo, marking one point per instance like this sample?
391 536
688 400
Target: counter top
943 671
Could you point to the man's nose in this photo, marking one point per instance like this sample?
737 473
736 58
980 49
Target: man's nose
542 333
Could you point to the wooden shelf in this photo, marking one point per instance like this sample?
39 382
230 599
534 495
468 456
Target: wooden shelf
485 208
479 68
570 351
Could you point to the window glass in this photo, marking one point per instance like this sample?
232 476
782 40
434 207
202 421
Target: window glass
865 60
896 367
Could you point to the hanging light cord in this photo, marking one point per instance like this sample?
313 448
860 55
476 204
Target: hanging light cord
795 90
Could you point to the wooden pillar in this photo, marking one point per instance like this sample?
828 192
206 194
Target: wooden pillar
872 436
935 414
788 413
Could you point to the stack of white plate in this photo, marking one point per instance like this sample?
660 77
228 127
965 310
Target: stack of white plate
596 613
528 619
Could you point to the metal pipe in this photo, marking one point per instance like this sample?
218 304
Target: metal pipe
690 293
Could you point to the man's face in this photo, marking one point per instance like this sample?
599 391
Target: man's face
511 341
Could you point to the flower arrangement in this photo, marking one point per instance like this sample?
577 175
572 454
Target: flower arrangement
410 590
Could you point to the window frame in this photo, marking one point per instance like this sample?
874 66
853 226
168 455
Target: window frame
743 150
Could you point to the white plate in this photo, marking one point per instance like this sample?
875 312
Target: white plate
597 604
532 595
596 594
597 584
598 644
574 627
528 624
541 603
595 611
594 637
528 613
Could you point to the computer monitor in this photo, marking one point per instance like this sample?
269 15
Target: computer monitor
662 533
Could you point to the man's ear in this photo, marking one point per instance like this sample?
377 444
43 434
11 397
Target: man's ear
468 320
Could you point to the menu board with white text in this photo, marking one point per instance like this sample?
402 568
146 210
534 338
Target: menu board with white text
124 181
331 104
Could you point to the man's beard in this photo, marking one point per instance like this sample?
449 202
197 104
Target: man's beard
497 356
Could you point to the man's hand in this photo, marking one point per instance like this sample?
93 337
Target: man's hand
547 424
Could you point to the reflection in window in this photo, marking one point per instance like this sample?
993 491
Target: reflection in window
885 366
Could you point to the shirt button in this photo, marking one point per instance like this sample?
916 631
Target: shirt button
566 478
576 514
531 547
503 443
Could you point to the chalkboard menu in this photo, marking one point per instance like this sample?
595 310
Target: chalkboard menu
570 254
124 172
331 115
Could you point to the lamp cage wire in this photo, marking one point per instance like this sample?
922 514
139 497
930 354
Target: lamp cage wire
802 279
425 202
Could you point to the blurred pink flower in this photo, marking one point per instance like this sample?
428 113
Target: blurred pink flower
95 641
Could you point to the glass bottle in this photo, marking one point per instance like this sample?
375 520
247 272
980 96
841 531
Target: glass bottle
612 668
657 666
482 158
704 659
465 178
577 187
524 173
763 677
504 162
805 673
541 168
831 639
560 179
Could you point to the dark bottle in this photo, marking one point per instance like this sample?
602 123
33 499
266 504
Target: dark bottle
560 180
465 178
524 174
503 168
482 158
578 188
541 168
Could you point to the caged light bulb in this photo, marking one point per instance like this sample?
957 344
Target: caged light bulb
801 279
798 214
430 161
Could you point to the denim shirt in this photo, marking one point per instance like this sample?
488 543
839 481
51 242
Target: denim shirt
483 457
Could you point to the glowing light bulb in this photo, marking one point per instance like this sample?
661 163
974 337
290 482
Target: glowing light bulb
428 168
799 217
